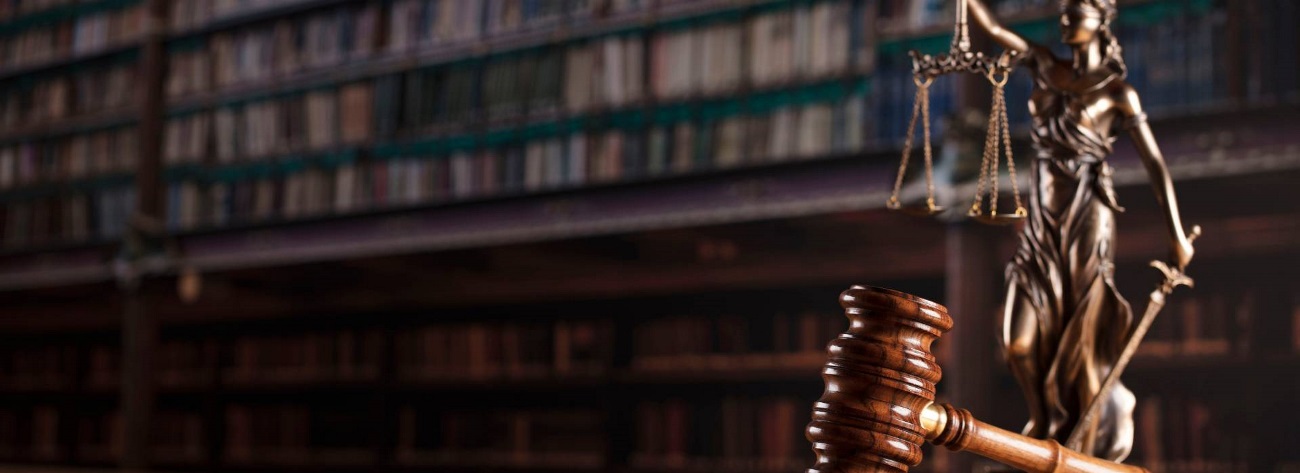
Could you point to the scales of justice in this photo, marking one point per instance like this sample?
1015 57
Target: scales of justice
1067 332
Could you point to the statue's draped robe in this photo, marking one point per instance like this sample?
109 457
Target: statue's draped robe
1064 270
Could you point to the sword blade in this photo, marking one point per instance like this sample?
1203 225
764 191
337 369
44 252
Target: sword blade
1154 304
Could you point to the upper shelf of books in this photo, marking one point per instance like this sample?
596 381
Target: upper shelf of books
312 111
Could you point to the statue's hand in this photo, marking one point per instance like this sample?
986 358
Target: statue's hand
1182 252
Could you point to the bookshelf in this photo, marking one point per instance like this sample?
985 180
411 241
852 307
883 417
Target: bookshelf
550 191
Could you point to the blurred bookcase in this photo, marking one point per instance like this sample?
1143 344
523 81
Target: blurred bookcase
577 235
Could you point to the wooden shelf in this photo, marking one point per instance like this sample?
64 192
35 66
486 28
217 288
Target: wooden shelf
102 53
712 465
64 126
501 461
478 383
302 458
299 385
256 15
1215 365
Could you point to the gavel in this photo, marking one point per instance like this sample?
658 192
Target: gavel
878 406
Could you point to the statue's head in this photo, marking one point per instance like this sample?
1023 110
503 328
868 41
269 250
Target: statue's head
1086 21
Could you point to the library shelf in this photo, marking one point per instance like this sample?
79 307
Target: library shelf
1217 365
493 461
1198 149
124 48
710 465
71 266
807 374
300 458
77 124
254 15
36 468
785 190
724 368
479 384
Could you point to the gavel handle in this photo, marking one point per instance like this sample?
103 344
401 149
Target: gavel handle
958 430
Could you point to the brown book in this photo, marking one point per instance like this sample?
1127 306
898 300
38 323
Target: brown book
406 431
810 332
1151 440
676 431
357 112
1198 427
563 349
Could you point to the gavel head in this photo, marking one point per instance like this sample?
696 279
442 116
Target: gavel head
879 377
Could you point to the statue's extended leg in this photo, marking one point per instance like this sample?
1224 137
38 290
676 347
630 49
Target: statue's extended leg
1020 342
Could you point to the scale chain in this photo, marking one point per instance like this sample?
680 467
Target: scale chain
929 165
922 93
997 158
1006 143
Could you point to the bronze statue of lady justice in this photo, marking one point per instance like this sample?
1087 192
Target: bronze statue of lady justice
1067 332
1064 323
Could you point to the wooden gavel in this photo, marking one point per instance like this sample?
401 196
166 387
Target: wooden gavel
878 407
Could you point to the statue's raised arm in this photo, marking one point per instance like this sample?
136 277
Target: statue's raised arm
987 22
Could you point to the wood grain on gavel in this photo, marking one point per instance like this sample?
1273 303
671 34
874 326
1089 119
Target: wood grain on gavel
878 407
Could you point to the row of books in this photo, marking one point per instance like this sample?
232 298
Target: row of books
36 434
416 102
903 15
32 432
1186 434
293 432
1269 72
604 73
326 356
78 217
346 355
437 21
68 94
1204 324
99 435
774 48
72 157
483 351
801 42
340 183
415 24
177 436
11 9
49 367
265 52
78 35
734 433
573 437
734 341
313 121
178 364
